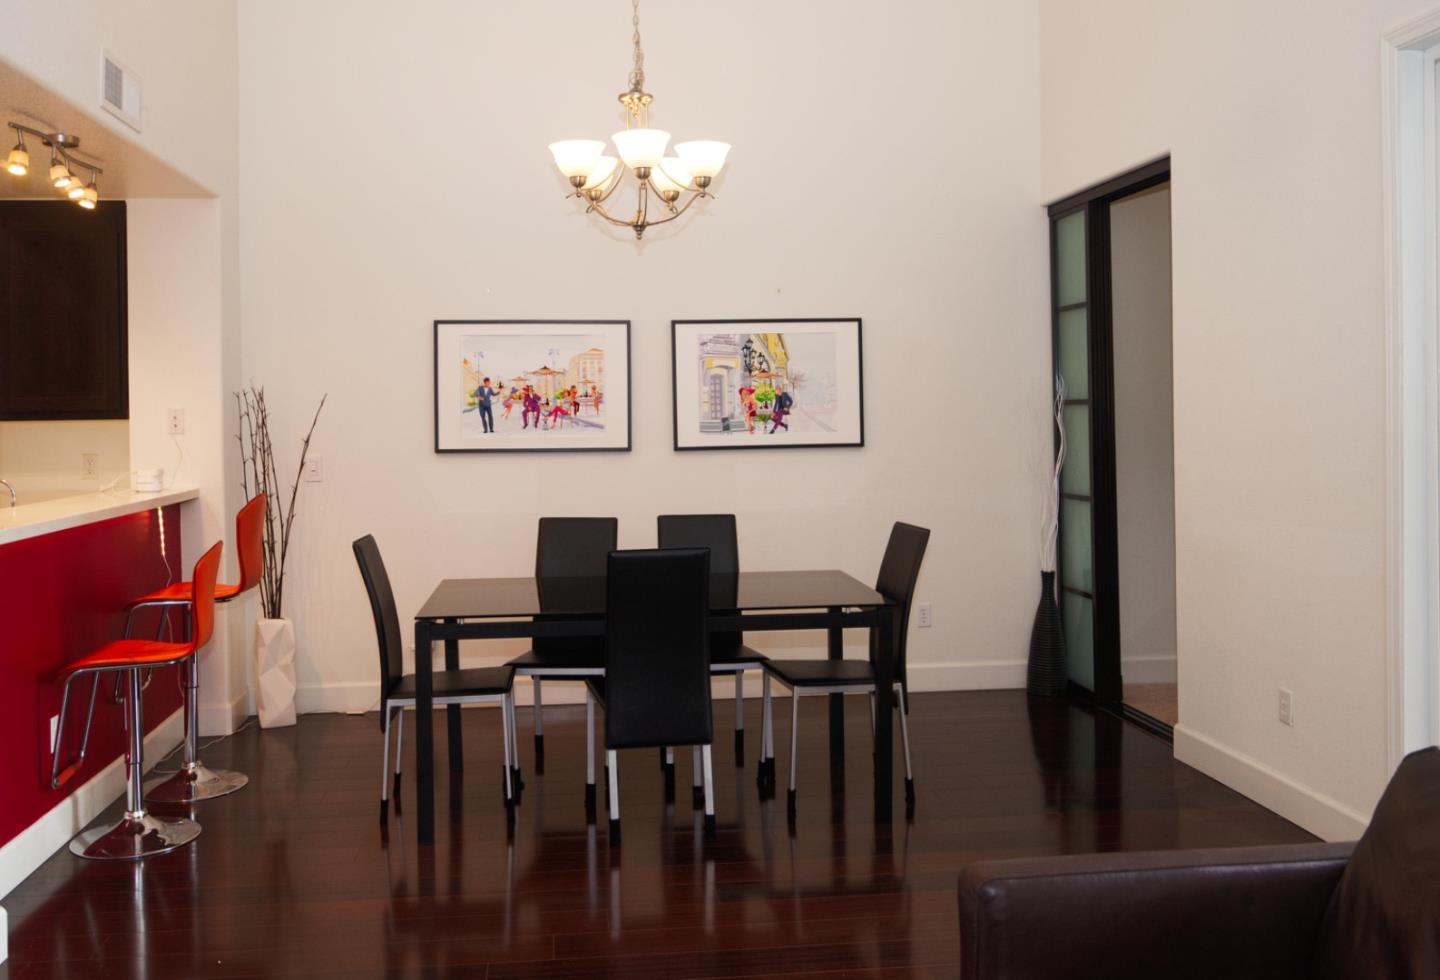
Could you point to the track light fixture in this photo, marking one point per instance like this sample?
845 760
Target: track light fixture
18 162
64 164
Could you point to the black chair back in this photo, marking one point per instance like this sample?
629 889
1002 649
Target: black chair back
657 656
899 571
572 547
382 607
716 532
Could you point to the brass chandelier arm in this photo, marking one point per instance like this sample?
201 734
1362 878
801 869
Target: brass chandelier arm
621 222
697 195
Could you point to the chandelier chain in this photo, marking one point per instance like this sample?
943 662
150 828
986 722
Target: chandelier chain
637 74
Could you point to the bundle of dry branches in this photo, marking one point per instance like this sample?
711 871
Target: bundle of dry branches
258 475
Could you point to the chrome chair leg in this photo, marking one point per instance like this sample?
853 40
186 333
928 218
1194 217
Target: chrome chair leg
505 738
697 788
709 781
740 719
612 763
385 762
539 729
193 781
516 783
589 755
399 745
903 704
765 771
138 834
794 732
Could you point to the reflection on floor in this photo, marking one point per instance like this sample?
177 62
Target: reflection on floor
293 876
1159 701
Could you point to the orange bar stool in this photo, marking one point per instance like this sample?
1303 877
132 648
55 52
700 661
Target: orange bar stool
194 781
138 834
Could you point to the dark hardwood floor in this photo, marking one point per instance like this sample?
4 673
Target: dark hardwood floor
293 877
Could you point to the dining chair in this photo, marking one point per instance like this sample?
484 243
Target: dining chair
565 548
899 571
656 687
474 685
728 652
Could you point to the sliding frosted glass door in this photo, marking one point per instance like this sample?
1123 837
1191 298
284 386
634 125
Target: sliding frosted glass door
1072 360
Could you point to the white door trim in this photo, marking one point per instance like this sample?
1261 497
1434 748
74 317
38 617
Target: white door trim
1412 503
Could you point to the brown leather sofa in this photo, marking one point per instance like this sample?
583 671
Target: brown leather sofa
1364 910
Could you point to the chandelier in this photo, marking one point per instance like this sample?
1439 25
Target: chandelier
595 177
64 164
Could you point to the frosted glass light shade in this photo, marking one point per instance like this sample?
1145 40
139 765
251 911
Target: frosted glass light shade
76 190
18 162
576 158
600 176
641 147
60 176
88 198
671 176
703 158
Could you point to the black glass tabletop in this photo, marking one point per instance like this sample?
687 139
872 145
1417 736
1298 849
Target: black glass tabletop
502 598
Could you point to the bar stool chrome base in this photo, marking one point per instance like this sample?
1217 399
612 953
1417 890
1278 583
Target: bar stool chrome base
190 784
135 836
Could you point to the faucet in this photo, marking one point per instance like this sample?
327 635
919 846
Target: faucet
12 492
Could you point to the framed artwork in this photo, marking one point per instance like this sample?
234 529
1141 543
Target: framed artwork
767 384
532 386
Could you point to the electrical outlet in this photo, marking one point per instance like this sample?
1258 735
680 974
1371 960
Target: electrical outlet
314 473
175 422
87 465
1287 707
922 615
54 729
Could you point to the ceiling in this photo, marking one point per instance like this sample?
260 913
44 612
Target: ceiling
131 171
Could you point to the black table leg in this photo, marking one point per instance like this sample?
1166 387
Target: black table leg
837 701
884 701
424 736
452 712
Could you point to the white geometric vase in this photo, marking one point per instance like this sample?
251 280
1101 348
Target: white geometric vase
275 672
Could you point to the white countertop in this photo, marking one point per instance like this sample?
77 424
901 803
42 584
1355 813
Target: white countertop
59 513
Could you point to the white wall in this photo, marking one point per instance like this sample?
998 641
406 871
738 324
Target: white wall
884 167
1144 434
1271 114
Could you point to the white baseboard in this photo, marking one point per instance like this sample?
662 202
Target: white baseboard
1323 816
1148 670
33 846
219 718
350 697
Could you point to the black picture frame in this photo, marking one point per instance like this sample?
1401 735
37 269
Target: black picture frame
439 324
748 446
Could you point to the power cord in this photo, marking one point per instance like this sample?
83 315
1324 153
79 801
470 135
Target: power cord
249 722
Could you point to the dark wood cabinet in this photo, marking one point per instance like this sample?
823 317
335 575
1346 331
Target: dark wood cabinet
63 351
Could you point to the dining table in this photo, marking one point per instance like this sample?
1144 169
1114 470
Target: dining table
528 607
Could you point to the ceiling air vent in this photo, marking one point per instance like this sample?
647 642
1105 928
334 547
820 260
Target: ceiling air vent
120 91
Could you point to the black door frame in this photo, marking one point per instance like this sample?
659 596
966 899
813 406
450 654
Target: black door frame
1095 202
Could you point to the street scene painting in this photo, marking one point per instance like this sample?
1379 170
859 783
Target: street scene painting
520 385
767 384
